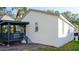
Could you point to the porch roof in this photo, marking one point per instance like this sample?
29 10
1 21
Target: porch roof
5 22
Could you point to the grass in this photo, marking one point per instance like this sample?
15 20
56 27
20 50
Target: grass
72 46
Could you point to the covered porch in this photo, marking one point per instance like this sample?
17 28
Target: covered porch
9 33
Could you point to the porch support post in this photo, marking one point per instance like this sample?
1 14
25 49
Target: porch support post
0 29
24 29
14 28
8 32
26 38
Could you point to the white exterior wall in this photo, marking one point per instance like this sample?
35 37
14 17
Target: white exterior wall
50 29
65 32
47 28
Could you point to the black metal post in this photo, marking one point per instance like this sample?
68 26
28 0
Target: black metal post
24 29
25 37
0 29
8 32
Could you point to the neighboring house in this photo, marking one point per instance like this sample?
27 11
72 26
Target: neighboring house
7 17
48 28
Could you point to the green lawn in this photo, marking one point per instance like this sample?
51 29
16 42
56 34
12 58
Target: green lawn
72 46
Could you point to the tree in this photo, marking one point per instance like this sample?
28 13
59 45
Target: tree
21 12
2 11
67 15
54 12
51 11
74 16
70 16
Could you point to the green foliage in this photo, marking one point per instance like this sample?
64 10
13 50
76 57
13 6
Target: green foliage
12 29
21 12
70 16
4 28
73 18
54 12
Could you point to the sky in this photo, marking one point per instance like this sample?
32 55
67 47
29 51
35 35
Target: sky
14 12
61 9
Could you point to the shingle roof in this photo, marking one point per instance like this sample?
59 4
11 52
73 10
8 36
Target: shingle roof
45 12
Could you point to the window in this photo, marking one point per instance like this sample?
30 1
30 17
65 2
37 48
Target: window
36 27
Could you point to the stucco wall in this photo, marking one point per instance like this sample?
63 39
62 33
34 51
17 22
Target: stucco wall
68 34
47 28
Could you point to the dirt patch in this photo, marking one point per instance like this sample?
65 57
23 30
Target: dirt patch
22 47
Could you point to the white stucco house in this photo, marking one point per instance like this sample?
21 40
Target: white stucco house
48 29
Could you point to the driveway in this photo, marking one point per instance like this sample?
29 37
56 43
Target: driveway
22 47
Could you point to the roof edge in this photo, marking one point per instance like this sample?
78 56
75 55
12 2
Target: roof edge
44 12
64 19
58 15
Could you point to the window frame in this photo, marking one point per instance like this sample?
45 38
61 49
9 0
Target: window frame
36 27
